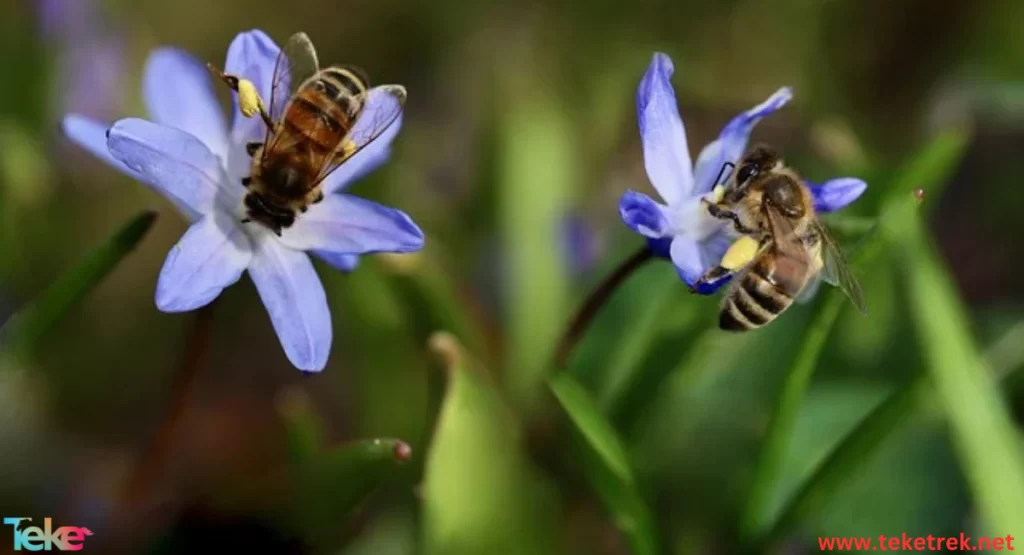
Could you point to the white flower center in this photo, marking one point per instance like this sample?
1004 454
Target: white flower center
691 219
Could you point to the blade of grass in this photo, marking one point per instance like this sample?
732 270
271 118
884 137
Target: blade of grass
922 176
587 418
848 456
606 465
24 331
858 447
632 348
773 451
982 430
536 150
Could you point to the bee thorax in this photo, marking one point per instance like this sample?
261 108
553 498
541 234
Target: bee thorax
285 178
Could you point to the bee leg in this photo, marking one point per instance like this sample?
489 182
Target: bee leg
266 119
246 181
303 209
740 253
251 148
230 80
724 214
249 101
714 275
246 220
319 197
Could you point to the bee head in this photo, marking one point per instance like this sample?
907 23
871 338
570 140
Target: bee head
266 212
761 158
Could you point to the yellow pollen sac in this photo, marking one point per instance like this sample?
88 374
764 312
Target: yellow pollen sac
740 253
249 101
717 194
348 148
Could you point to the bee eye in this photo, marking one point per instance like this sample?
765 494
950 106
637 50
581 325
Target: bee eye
746 172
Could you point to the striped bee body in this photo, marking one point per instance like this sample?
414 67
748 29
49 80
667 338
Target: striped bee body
307 139
324 109
764 290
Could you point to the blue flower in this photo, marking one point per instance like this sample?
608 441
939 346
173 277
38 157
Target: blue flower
189 155
90 52
681 229
582 243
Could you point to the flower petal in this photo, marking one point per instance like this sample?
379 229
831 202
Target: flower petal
372 156
347 224
93 74
344 262
712 250
178 94
732 141
211 255
174 162
252 55
92 136
295 300
686 256
643 215
666 155
837 193
582 244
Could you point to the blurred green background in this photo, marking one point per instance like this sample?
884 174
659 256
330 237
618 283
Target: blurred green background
663 435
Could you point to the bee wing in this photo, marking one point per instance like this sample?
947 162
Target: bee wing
381 107
836 271
810 290
790 244
787 241
296 63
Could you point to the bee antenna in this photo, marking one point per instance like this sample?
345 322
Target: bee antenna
718 180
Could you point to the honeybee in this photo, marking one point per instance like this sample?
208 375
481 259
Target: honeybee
316 120
783 250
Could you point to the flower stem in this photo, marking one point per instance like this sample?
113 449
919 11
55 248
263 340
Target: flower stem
595 301
153 460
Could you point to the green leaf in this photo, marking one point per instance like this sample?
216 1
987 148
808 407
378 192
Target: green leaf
607 466
332 484
429 300
536 169
376 335
480 495
924 175
23 333
982 430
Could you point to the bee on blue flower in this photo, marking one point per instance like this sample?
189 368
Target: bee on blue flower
190 155
681 228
